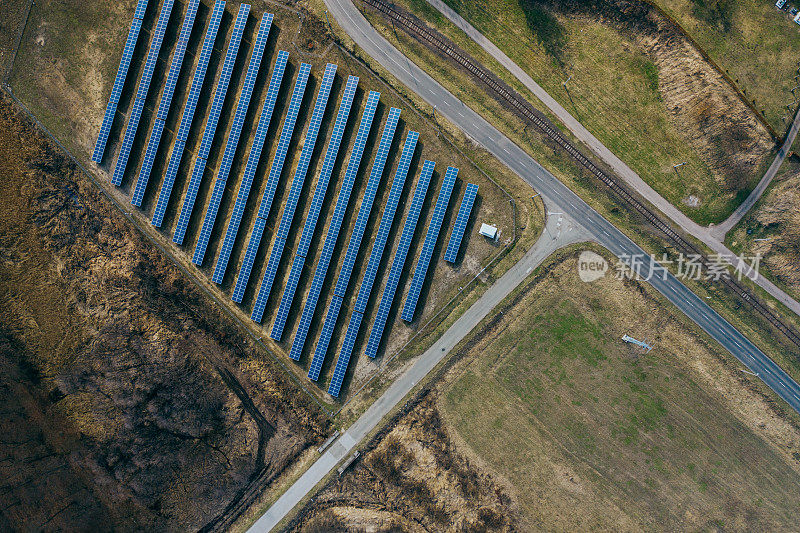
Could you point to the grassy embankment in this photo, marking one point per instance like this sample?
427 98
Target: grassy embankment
634 90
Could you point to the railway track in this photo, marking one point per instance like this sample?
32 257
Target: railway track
529 113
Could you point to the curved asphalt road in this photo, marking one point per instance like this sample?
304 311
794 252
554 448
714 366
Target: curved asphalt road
362 32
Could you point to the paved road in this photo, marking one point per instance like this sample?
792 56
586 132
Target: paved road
559 232
556 195
712 236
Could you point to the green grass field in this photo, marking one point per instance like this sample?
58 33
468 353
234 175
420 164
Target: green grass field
598 435
617 91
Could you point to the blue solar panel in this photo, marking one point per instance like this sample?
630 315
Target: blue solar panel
272 181
164 105
461 223
325 337
385 226
211 123
141 7
430 243
188 114
233 139
119 82
250 169
336 223
399 260
316 205
367 200
378 246
354 244
347 348
294 194
141 93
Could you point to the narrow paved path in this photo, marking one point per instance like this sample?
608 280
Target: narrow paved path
556 195
559 232
712 237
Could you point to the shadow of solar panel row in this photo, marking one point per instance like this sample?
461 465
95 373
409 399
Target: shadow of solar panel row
250 168
375 256
141 93
188 114
272 181
434 227
165 104
335 226
409 227
461 223
211 124
316 206
119 81
327 332
233 139
353 246
344 356
289 208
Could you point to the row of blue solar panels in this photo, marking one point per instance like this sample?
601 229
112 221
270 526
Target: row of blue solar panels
375 256
431 237
164 104
354 244
188 114
294 193
141 93
233 139
316 206
336 223
461 223
272 181
409 227
119 82
211 124
250 168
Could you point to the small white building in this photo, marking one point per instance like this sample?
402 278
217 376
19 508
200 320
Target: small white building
487 230
780 3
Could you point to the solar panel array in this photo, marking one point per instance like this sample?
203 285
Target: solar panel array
409 227
272 182
294 193
250 169
119 81
211 124
188 114
165 104
336 223
461 223
354 244
141 92
375 256
233 138
316 205
431 237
